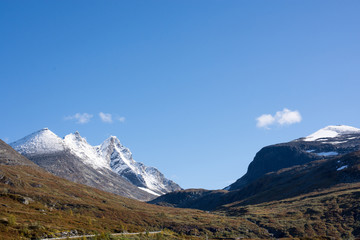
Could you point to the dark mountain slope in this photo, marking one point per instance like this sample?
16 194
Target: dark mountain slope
273 158
192 198
299 180
285 183
324 144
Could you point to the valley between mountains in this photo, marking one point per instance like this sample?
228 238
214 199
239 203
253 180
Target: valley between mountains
308 188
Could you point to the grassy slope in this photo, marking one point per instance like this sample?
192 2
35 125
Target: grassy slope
57 205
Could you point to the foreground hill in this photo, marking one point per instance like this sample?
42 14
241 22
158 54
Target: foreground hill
332 213
35 203
109 166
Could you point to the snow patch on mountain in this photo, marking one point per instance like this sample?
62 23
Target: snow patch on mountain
331 132
342 168
149 191
327 154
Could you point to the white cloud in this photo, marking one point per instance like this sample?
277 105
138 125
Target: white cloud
106 117
284 117
265 120
80 117
287 117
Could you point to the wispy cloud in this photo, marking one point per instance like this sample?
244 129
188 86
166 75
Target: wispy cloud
83 118
105 117
121 119
284 117
80 118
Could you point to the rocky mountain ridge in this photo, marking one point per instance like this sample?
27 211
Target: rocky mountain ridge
108 166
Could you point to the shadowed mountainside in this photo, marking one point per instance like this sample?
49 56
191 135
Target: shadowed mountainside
324 144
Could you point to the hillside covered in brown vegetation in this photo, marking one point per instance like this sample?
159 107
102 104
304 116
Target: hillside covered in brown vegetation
318 200
36 204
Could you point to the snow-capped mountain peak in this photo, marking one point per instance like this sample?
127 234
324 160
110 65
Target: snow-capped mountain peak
111 147
332 132
81 148
110 142
119 157
122 162
42 141
110 155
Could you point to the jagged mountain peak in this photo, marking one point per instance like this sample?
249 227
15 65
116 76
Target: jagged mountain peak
331 132
110 155
122 162
81 148
75 137
77 134
112 141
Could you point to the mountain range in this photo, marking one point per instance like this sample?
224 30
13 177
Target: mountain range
108 166
307 188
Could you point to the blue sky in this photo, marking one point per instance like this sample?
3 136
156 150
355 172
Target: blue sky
184 81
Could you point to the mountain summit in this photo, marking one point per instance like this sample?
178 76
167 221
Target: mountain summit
120 160
331 132
42 141
109 158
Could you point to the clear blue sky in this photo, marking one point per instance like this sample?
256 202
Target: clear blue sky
189 77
